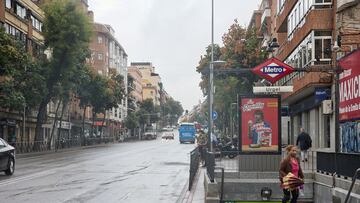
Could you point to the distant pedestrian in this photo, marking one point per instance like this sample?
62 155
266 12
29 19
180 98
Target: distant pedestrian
304 142
291 175
201 141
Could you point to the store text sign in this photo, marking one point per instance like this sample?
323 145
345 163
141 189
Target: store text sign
349 87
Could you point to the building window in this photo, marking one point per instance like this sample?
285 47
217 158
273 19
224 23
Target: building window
281 4
322 49
36 23
326 135
100 57
8 4
100 40
20 11
7 28
322 1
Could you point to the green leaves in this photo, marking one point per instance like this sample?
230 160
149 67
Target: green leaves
241 49
22 80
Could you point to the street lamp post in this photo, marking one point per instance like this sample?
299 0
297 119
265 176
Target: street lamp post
211 78
211 75
232 120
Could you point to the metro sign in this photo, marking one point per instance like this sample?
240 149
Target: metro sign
273 70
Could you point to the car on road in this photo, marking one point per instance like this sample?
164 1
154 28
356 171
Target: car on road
7 158
168 135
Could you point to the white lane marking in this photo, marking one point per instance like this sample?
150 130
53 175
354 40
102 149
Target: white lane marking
26 177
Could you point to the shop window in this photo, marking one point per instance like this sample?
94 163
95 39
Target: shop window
326 136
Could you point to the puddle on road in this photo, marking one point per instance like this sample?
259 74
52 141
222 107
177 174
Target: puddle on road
176 163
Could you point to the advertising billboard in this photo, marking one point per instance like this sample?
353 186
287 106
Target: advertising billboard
350 137
260 122
349 103
349 87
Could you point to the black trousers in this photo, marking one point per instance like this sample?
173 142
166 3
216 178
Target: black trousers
294 195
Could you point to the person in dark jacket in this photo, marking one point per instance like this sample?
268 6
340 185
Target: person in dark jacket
304 142
290 164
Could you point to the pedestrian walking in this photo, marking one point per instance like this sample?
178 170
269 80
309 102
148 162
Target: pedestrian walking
201 141
291 175
304 142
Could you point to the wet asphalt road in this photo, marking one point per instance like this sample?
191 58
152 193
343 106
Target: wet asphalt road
142 171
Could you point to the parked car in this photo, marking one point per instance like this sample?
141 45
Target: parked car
168 135
7 158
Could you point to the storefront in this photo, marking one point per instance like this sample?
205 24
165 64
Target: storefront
345 160
308 112
8 130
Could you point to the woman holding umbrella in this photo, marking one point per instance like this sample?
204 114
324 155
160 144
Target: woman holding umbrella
291 175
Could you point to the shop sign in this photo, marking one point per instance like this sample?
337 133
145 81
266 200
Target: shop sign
322 93
64 125
99 123
349 87
273 89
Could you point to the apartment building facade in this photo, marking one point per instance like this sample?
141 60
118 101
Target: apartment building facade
108 56
135 87
305 31
23 20
150 81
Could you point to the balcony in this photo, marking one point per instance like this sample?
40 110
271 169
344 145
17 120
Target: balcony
281 20
318 19
266 21
305 85
266 13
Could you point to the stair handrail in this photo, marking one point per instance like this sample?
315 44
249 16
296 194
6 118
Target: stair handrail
357 172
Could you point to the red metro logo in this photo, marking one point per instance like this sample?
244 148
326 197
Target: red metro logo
273 70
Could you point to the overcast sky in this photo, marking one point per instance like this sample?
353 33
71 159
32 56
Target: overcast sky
172 34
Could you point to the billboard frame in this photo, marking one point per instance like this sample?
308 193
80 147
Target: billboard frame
259 96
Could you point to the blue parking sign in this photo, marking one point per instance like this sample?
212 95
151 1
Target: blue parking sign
214 115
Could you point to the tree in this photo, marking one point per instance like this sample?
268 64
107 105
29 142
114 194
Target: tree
83 92
241 50
173 109
204 65
22 82
67 33
131 122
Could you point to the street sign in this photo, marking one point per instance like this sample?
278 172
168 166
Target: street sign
273 70
272 89
214 115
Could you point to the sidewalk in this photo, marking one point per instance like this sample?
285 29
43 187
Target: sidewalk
70 149
197 193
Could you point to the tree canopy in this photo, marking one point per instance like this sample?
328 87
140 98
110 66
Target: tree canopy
240 50
21 75
67 32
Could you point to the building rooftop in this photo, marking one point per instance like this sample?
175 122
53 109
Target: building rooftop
140 64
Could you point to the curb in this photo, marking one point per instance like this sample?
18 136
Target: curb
187 196
35 154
